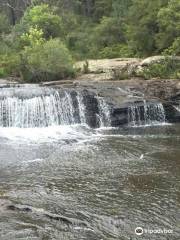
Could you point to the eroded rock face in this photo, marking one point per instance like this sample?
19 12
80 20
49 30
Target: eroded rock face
120 95
101 81
92 110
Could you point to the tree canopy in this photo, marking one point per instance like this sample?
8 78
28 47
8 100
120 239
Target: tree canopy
90 28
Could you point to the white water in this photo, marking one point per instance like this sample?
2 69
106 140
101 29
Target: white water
38 111
104 113
146 114
36 107
82 109
177 108
67 133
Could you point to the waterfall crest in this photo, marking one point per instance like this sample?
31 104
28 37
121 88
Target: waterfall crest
38 111
34 107
37 107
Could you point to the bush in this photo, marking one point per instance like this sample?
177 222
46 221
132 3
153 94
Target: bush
4 24
49 61
168 68
42 17
80 42
9 65
174 49
115 51
86 67
32 38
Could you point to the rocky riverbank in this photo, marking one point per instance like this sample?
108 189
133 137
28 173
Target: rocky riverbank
100 80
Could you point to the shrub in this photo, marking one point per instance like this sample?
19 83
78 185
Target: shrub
120 74
115 51
86 67
174 49
44 18
4 24
48 61
9 65
32 38
168 68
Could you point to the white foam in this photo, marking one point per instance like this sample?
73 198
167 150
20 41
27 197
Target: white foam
34 160
47 134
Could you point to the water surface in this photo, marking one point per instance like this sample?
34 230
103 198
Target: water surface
104 182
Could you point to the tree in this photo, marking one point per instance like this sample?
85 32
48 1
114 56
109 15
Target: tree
4 24
174 49
108 32
169 24
143 26
43 17
102 8
14 9
120 8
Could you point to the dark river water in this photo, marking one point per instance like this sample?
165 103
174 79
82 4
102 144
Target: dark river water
73 183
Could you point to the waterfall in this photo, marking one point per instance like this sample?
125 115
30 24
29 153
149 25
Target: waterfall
104 112
33 106
38 111
146 114
82 109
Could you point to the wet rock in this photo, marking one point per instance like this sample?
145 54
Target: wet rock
19 208
91 109
119 117
57 217
172 111
49 215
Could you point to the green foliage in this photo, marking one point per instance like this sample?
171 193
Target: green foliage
174 49
50 60
169 23
142 26
108 32
33 37
169 68
9 65
44 18
86 67
102 8
116 51
89 29
81 43
120 74
120 8
4 24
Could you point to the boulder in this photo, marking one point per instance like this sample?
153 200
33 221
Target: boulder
157 59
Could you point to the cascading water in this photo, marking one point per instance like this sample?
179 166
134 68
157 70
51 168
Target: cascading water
40 111
38 107
82 109
177 108
146 114
33 106
104 112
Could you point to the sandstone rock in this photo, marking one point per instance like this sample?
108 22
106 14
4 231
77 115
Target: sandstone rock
106 65
157 59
